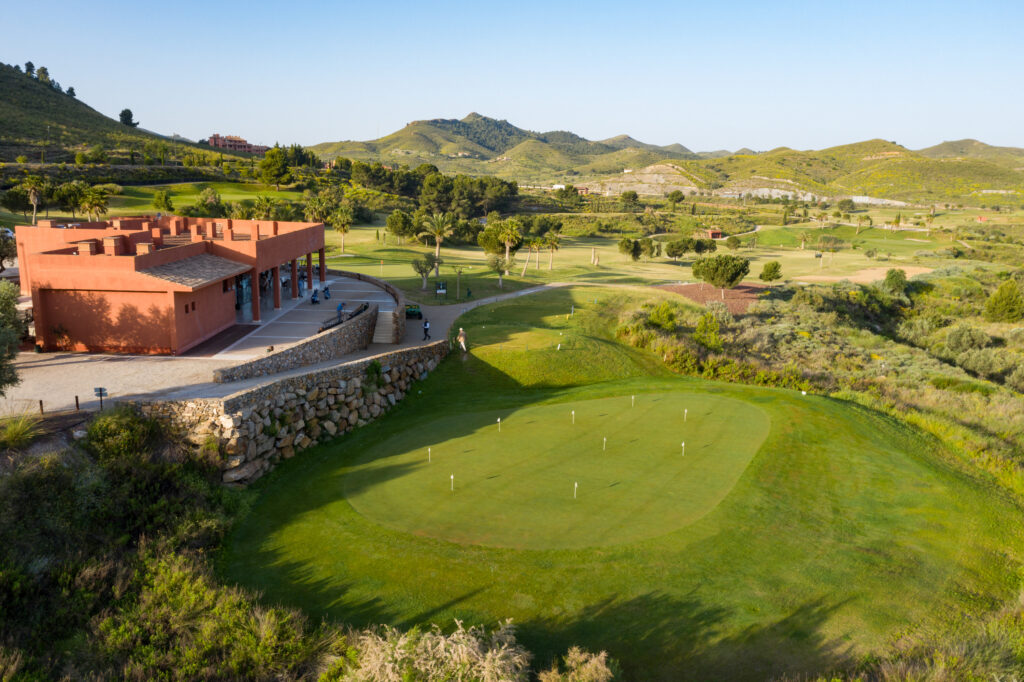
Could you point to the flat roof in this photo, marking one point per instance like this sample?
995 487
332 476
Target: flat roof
197 271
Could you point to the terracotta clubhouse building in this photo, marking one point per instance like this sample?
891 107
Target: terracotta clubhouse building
159 285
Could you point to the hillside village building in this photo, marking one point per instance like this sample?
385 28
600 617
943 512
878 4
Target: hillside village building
234 143
158 285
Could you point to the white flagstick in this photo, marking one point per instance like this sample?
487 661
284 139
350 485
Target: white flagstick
685 412
574 487
684 450
428 454
453 482
574 416
604 445
499 424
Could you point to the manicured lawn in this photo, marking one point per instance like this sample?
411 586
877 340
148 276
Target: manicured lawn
798 533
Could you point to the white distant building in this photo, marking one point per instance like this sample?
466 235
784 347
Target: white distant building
557 186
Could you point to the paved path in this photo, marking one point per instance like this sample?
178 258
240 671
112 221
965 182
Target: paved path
56 378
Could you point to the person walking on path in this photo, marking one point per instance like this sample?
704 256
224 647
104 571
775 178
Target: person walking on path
462 339
426 330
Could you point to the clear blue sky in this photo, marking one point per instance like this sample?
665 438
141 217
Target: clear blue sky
708 75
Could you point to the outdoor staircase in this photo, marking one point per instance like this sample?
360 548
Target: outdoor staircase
385 326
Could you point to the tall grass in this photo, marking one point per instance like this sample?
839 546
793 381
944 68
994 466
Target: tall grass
19 431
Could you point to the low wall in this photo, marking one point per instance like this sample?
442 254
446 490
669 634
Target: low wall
255 428
349 336
398 328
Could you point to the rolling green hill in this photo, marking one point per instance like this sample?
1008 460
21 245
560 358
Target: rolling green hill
1011 157
485 146
966 171
41 122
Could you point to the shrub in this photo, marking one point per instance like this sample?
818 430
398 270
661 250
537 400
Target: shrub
120 434
964 337
1006 304
706 333
983 362
663 317
895 282
18 431
474 653
373 377
582 666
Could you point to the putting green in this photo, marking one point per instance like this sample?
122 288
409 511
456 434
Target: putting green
613 472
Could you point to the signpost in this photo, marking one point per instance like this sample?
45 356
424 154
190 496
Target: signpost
100 393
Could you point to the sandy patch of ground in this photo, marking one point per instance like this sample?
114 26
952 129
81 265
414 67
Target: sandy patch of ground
867 275
737 300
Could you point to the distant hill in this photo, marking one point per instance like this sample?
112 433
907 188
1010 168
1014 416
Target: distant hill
36 118
873 170
965 171
1011 157
482 145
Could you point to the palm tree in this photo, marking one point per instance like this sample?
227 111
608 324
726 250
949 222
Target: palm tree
530 243
509 235
551 240
317 209
438 226
94 203
36 188
263 207
341 220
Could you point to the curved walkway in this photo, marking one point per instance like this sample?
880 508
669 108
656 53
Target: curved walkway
57 378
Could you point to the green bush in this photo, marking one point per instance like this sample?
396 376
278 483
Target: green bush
706 333
663 316
1006 304
120 434
964 337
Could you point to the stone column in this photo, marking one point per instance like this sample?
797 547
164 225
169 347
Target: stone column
254 280
275 272
295 278
323 266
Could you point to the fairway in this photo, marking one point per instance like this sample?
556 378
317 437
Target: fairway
618 474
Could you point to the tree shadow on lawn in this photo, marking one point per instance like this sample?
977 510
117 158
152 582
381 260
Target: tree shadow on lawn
655 636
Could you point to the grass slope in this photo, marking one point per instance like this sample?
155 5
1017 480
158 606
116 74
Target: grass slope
845 528
36 117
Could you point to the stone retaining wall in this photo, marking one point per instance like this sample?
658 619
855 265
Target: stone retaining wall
255 428
398 329
349 336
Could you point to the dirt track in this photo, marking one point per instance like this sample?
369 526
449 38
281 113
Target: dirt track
737 300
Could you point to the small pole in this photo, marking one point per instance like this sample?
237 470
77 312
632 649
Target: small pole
574 416
41 407
573 310
499 424
685 412
382 268
604 444
428 454
101 402
684 450
559 347
632 401
76 403
575 486
453 482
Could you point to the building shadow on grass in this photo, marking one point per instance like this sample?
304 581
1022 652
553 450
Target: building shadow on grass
656 636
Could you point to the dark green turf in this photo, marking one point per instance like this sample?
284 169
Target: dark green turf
843 531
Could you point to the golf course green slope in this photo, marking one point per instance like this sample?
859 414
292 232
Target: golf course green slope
796 533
